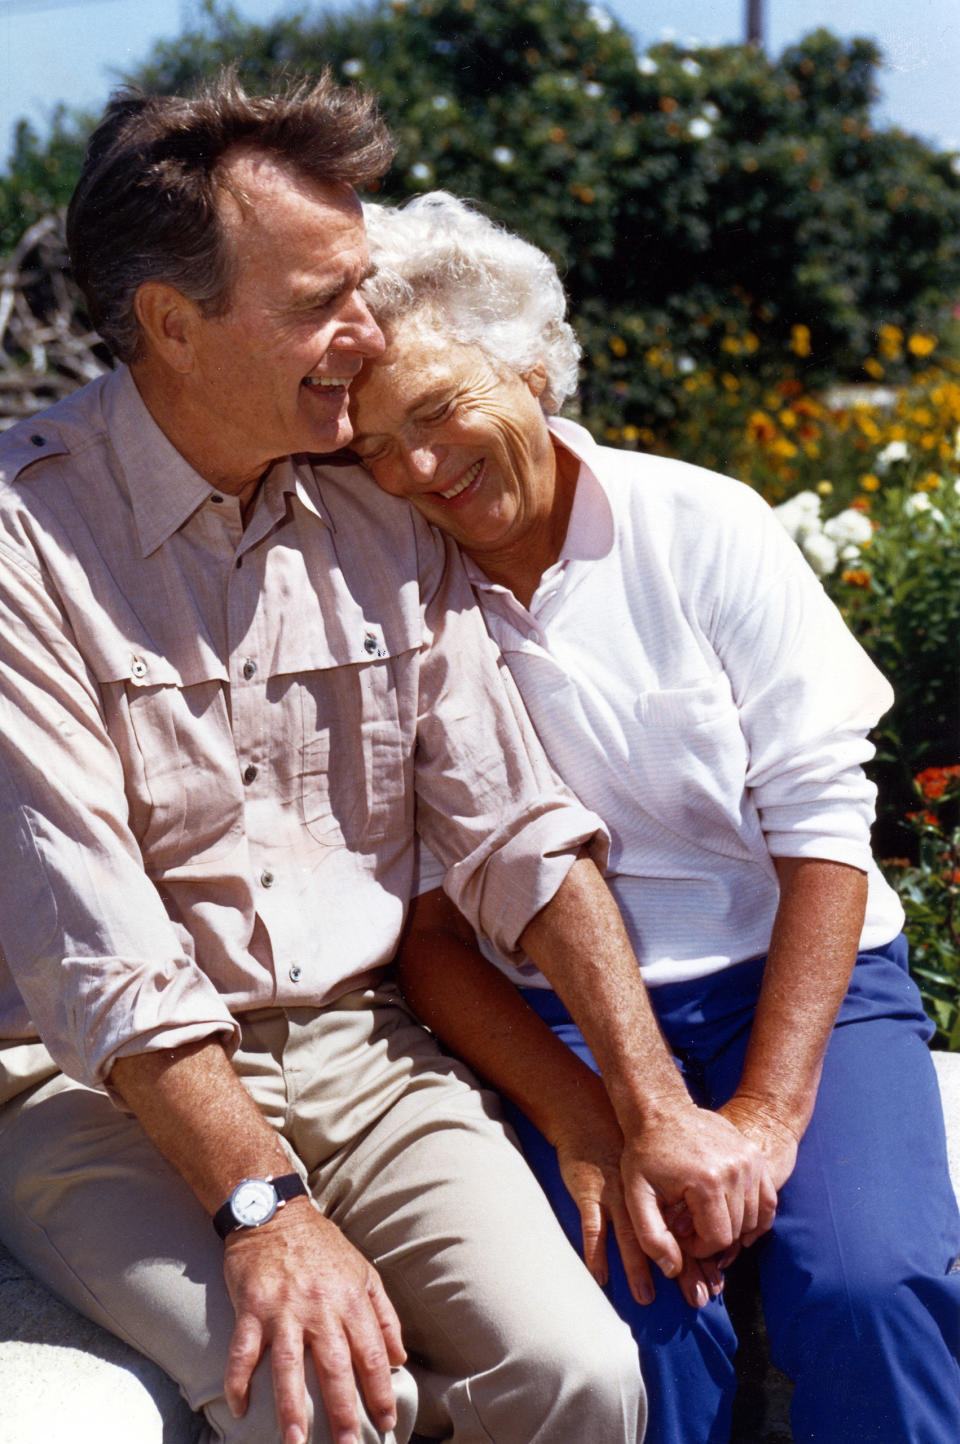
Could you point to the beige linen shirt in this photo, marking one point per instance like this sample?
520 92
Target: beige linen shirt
215 742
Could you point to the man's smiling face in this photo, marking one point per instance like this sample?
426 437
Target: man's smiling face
271 374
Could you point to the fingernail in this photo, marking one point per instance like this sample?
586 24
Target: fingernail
645 1294
295 1435
701 1295
668 1267
387 1422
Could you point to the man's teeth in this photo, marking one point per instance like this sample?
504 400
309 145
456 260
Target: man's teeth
463 483
322 381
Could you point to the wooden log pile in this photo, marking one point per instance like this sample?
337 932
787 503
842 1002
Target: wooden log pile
46 346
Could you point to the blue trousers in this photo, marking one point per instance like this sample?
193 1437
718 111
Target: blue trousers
861 1306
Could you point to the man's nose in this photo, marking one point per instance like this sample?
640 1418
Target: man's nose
360 331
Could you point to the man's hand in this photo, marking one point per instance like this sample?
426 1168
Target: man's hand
589 1148
299 1285
697 1158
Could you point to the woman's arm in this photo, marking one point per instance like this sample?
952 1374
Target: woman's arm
812 952
479 1014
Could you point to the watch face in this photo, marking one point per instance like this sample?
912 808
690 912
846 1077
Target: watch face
253 1201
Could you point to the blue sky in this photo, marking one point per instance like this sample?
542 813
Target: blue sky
72 50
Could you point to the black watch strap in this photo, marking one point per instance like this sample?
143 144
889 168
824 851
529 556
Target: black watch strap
287 1186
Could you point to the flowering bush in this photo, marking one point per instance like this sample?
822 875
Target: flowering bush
930 893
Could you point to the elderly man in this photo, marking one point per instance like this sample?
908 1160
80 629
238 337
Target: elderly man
228 679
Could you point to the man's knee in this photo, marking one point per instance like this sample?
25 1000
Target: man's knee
259 1424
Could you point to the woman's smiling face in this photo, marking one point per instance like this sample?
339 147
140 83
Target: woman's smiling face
465 440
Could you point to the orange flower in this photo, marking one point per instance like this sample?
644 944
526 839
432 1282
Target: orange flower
857 578
934 781
928 817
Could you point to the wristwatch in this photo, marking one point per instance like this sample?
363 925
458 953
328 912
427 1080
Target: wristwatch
255 1200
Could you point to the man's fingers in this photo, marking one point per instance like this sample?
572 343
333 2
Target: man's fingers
388 1322
289 1383
656 1240
243 1356
334 1363
370 1347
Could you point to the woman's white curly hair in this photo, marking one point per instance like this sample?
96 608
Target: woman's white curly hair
476 282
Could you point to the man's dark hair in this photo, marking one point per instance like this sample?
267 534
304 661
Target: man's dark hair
145 207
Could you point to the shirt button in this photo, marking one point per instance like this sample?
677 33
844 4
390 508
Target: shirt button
296 973
138 667
266 878
249 668
249 773
216 497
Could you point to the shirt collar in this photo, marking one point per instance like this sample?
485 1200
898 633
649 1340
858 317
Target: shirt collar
165 491
590 530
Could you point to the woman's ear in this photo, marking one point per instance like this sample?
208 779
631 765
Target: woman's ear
536 379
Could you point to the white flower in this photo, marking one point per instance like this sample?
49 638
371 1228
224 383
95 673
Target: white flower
919 504
686 364
647 65
893 451
711 111
690 67
352 67
600 19
421 171
820 552
849 528
567 82
502 154
440 102
700 128
800 516
956 486
850 554
593 89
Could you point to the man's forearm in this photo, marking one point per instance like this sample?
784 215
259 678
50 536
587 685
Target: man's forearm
193 1106
580 944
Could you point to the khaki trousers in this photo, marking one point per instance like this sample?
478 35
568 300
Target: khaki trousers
509 1339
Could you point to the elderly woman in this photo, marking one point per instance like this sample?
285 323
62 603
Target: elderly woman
693 684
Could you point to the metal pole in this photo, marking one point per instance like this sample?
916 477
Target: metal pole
754 23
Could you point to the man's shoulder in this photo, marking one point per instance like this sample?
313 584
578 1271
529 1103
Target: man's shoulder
30 447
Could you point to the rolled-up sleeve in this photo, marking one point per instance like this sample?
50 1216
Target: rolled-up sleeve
807 696
489 804
83 930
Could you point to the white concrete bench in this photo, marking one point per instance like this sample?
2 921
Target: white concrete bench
62 1377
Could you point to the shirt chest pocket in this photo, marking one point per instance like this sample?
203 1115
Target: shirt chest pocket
692 758
358 729
174 736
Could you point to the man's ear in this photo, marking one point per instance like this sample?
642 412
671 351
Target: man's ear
168 321
536 379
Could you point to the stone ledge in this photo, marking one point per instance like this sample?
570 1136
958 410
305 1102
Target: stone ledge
61 1374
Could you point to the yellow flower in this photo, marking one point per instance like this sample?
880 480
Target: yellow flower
618 346
931 482
869 482
751 342
729 381
891 340
731 344
800 340
873 368
921 344
612 434
630 433
825 488
788 418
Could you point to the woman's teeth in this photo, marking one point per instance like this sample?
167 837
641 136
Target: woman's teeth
468 476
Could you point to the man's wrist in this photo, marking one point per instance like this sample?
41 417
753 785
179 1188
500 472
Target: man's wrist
255 1201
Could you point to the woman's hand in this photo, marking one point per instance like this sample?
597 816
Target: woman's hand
589 1145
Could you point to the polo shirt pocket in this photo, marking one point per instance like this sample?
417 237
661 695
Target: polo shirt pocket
692 758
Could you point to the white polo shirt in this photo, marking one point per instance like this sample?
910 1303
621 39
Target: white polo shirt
692 682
